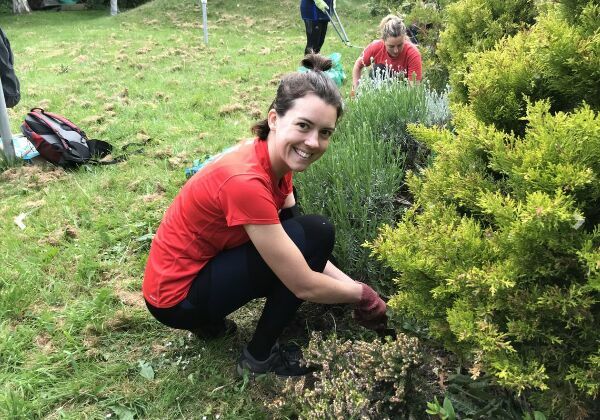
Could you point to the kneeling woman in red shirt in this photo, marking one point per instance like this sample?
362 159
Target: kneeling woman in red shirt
233 234
390 55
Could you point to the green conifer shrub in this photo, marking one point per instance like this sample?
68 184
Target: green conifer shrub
554 60
474 26
500 255
575 9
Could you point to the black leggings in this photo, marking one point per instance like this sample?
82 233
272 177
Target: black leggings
315 35
239 275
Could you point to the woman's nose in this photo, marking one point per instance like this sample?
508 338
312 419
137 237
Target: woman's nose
312 139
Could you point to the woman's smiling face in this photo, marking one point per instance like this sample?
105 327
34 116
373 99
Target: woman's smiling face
301 136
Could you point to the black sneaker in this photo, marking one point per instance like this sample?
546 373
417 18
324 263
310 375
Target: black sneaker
225 328
283 361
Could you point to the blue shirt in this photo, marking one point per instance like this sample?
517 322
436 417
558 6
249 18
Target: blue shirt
309 10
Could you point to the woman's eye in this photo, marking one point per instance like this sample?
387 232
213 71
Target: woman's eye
303 126
326 133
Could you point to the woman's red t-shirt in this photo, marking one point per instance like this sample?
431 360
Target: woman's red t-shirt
238 187
407 62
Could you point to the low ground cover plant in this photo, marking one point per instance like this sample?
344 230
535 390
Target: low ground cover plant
361 379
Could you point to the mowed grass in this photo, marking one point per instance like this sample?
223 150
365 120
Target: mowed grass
75 338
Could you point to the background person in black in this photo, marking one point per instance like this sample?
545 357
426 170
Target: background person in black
10 83
315 22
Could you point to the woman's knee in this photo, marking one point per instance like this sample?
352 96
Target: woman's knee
313 234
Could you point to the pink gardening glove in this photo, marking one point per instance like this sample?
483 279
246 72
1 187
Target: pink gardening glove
370 310
377 324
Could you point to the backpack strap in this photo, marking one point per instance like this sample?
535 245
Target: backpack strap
100 149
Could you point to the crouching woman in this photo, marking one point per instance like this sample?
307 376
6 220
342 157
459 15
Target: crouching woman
233 233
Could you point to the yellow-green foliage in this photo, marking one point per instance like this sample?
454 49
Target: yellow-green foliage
553 60
476 25
574 9
501 254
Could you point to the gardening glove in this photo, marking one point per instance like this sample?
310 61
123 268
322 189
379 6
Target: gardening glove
378 324
370 310
321 5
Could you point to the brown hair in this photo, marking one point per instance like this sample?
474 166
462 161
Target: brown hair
297 85
392 26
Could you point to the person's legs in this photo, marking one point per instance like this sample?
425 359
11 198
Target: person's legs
322 33
315 35
239 275
314 236
310 41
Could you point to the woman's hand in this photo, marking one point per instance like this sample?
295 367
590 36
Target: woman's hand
370 312
378 324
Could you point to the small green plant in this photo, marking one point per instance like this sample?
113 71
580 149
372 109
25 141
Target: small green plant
444 411
479 397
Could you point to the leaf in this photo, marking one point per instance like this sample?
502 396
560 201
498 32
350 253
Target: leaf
146 237
123 413
146 370
449 409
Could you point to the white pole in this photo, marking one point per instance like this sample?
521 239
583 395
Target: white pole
204 21
9 150
114 7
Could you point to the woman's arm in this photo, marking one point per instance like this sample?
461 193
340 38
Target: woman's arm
415 66
334 272
356 70
287 262
290 201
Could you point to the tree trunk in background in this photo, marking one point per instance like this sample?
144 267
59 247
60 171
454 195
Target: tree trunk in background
20 6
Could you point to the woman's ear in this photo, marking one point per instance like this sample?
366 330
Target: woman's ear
272 119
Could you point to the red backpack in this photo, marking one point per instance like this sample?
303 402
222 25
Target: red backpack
60 141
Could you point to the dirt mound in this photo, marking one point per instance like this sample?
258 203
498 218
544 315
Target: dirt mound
33 175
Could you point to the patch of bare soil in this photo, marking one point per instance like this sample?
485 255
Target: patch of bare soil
44 343
62 233
33 175
129 298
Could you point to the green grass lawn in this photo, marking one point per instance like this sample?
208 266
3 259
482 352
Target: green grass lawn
75 338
